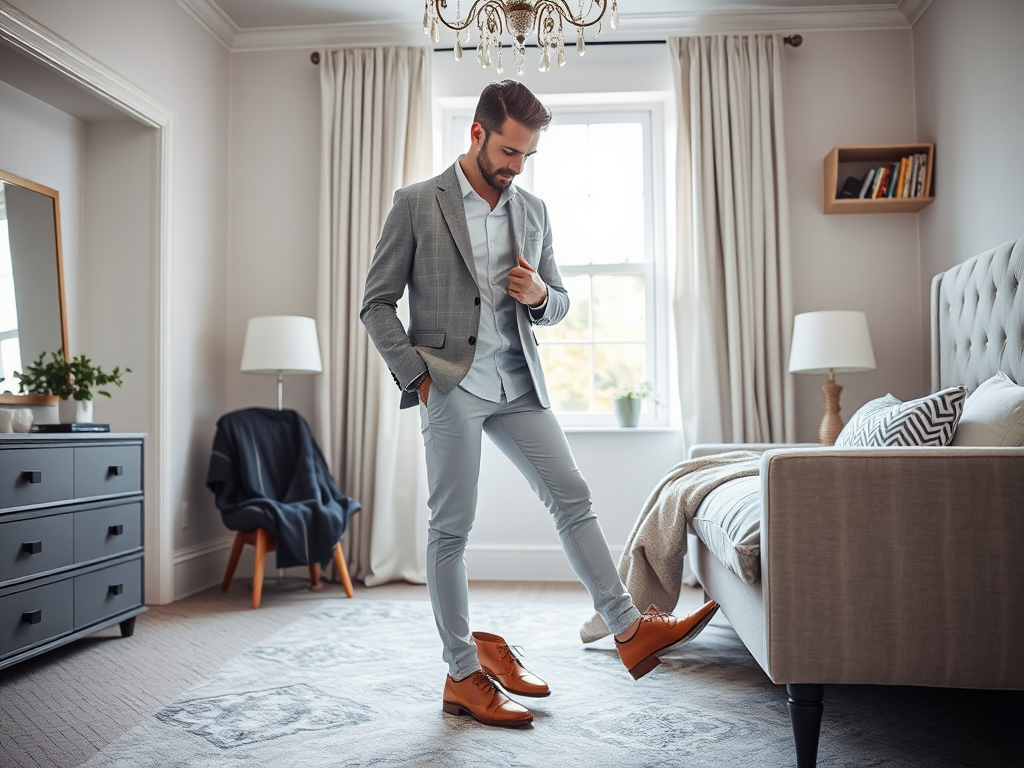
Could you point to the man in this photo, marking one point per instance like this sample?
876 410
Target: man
475 254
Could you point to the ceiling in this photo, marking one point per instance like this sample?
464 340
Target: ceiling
276 24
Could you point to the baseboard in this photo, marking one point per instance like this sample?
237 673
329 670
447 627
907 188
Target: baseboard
201 566
521 563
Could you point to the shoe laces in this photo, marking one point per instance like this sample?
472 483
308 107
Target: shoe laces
508 653
655 614
483 681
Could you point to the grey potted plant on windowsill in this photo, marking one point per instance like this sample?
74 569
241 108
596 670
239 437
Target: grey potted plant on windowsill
74 381
628 402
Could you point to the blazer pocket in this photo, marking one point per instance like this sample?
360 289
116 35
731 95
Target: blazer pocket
433 339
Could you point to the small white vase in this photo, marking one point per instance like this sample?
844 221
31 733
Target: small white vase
75 411
627 410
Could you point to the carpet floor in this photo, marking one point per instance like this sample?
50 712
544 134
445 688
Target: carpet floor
358 683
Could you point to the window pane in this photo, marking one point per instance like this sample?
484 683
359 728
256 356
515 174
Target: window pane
616 366
567 372
592 177
576 325
620 308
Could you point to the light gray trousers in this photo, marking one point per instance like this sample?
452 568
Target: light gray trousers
530 436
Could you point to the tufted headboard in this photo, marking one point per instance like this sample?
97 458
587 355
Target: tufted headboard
978 319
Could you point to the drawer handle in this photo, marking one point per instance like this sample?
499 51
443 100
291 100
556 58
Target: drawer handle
32 547
115 530
32 476
116 589
116 470
32 617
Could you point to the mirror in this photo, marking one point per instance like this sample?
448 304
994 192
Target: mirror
33 315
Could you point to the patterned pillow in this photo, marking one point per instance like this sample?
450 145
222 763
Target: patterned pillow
886 421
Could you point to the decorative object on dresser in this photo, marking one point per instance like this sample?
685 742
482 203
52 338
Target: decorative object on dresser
890 178
34 319
71 536
74 381
281 344
831 342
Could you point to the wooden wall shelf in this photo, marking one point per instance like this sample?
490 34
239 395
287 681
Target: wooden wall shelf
857 160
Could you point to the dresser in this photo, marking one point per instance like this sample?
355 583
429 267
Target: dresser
71 535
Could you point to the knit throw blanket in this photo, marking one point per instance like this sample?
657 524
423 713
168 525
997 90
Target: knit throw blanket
651 566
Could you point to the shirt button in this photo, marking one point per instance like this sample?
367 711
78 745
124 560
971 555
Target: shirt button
472 340
477 301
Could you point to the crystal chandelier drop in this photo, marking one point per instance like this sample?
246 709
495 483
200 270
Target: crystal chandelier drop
546 18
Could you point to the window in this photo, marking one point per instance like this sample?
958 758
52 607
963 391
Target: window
595 170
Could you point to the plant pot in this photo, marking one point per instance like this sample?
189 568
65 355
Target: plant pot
75 411
627 410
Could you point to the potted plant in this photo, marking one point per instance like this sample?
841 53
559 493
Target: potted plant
629 400
73 381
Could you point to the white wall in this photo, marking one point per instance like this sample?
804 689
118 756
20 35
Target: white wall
969 72
852 88
160 48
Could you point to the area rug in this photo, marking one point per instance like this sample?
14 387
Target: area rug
358 683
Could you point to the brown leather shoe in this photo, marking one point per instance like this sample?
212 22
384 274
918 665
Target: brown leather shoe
478 697
657 631
502 665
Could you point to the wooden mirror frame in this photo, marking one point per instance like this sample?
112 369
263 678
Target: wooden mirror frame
55 196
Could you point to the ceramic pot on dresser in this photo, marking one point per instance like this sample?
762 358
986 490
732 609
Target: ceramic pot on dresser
71 538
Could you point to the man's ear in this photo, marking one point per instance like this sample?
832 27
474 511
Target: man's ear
477 134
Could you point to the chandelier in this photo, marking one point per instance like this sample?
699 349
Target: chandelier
546 18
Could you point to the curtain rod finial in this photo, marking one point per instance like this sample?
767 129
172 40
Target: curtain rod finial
795 40
315 57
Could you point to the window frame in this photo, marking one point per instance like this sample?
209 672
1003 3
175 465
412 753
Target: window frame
453 116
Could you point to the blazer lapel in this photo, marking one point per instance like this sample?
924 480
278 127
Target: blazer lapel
449 198
517 219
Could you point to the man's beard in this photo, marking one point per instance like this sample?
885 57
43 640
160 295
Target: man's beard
483 162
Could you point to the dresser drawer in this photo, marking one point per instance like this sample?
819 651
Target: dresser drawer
28 547
106 592
35 476
35 615
106 469
107 531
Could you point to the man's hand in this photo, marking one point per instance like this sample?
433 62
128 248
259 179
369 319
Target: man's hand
525 285
424 388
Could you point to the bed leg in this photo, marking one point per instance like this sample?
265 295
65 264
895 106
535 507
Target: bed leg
805 710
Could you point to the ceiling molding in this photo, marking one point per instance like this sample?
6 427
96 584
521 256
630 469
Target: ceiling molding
896 14
213 20
914 9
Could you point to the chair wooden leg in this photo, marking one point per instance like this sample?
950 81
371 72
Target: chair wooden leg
257 567
314 576
339 563
236 552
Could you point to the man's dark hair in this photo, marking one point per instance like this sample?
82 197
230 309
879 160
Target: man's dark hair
510 99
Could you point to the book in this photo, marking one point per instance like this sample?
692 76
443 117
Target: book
915 167
881 181
868 181
901 179
75 427
890 186
922 176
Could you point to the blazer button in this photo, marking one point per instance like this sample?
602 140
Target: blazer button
477 301
472 340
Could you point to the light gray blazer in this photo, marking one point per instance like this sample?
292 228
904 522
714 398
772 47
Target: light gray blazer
425 246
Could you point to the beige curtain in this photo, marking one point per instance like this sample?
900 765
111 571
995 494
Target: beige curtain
376 125
732 294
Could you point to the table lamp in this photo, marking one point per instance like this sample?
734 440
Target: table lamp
281 344
831 342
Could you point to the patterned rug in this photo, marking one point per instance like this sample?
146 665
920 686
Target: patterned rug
358 683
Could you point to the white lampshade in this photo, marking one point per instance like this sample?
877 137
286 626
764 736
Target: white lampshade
281 344
835 341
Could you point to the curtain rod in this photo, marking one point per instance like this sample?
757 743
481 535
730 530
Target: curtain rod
794 40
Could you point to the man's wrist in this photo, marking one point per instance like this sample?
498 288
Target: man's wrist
414 385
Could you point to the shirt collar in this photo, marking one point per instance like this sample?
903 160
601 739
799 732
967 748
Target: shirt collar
507 194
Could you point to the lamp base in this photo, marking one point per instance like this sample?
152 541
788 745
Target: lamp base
831 422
